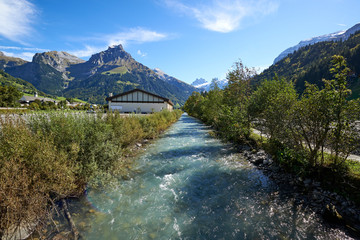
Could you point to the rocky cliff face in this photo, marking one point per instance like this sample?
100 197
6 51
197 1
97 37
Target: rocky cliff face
113 57
58 60
337 36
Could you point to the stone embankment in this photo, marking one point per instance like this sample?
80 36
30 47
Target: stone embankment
308 193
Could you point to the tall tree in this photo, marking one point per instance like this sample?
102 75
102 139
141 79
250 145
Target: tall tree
9 96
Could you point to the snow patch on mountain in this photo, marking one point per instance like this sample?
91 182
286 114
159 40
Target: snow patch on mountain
337 36
204 85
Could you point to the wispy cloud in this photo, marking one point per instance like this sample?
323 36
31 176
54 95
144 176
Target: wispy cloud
16 18
86 51
135 35
223 15
341 24
130 36
23 55
23 48
141 54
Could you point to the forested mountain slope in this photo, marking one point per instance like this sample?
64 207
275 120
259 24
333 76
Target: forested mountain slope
311 63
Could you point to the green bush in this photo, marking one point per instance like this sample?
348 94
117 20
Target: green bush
56 155
33 172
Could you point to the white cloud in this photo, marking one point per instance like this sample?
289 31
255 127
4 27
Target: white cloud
24 48
224 15
23 55
87 51
141 54
134 35
341 24
16 17
131 36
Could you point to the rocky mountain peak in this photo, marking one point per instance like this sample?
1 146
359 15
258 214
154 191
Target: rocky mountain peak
58 60
199 81
2 54
114 55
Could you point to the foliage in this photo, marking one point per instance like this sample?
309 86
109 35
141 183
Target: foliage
21 85
297 125
226 110
56 155
270 106
9 96
33 172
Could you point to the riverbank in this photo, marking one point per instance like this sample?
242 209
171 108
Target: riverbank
189 185
331 195
308 192
51 157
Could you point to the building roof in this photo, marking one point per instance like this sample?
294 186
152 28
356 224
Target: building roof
32 99
139 90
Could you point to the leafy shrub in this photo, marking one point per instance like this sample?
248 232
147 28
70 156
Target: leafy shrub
33 172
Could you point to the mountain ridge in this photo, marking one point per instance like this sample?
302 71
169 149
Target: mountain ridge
312 63
336 36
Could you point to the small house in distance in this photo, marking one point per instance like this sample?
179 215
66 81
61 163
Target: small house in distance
138 101
27 100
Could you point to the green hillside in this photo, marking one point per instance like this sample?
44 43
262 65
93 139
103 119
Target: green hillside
20 84
97 87
311 64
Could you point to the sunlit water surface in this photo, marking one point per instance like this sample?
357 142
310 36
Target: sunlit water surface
192 186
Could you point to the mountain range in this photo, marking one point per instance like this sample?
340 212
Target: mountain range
311 63
110 71
337 36
204 85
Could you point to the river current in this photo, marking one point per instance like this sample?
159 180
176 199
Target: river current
192 186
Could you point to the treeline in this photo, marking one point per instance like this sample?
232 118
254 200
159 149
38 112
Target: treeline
9 96
53 156
299 127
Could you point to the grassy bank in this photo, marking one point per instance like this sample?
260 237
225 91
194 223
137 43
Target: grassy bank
53 156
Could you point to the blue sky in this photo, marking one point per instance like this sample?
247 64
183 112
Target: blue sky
187 39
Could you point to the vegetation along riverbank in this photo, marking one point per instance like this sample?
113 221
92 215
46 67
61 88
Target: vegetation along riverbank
299 129
49 157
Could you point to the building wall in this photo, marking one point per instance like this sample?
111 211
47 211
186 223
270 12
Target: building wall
138 96
144 107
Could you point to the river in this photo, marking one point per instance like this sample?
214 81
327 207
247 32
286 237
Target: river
192 186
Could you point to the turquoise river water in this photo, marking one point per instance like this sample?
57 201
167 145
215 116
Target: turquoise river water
192 186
